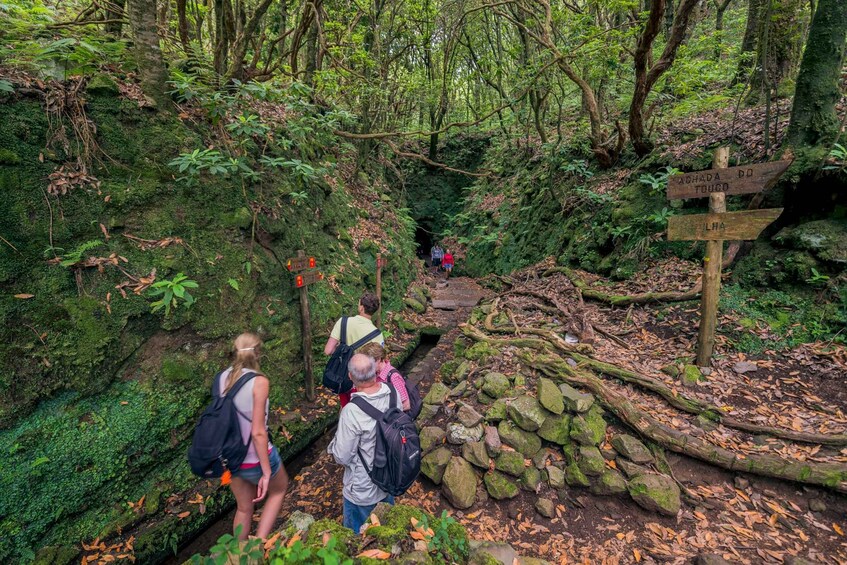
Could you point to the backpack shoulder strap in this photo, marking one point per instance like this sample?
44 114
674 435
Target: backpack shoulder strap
344 330
216 384
367 408
237 387
366 339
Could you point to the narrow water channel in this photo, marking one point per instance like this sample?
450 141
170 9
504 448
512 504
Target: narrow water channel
305 458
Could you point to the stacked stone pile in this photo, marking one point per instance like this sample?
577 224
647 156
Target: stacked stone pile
503 435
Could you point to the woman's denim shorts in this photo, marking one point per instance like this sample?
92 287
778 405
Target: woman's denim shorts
253 474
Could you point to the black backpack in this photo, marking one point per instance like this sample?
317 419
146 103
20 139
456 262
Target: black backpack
336 378
397 455
217 444
415 402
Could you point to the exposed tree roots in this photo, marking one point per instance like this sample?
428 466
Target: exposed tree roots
542 355
624 299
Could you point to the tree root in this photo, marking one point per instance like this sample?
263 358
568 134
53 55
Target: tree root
545 359
829 475
624 299
697 407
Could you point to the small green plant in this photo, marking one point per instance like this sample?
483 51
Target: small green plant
657 182
229 550
7 87
77 255
838 154
248 125
620 231
298 197
233 283
817 279
578 167
172 292
450 548
660 218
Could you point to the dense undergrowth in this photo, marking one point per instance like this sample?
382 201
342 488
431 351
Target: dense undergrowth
118 380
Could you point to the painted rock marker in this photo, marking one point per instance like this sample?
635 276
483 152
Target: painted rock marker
719 225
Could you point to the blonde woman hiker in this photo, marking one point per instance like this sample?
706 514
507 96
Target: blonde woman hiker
262 475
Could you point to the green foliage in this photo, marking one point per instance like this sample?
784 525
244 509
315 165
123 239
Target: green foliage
838 156
657 182
449 540
78 254
817 279
173 292
229 549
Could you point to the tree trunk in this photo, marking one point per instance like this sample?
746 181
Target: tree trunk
645 78
182 23
115 11
151 65
311 54
813 117
751 35
779 45
246 30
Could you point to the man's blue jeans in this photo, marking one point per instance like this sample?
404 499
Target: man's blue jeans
355 516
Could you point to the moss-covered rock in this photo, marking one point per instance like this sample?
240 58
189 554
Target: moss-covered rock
589 428
497 411
530 479
457 434
591 461
527 413
657 493
550 396
510 462
434 463
525 442
495 384
556 429
459 483
555 476
499 487
691 375
344 536
476 454
825 239
416 306
545 507
632 449
574 400
610 482
481 351
438 393
574 477
431 437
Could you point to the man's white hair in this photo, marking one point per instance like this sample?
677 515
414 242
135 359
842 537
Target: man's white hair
362 369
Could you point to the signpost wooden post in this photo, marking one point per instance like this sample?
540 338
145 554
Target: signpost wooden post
719 225
302 265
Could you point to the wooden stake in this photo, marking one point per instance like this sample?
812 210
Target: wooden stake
712 274
378 314
307 338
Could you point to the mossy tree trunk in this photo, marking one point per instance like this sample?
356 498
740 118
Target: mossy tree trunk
151 65
114 14
751 35
780 41
813 117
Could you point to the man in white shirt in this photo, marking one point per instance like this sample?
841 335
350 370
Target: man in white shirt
357 433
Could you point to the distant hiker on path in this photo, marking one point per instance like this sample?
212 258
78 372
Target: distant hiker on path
436 254
447 263
262 474
385 372
358 327
355 440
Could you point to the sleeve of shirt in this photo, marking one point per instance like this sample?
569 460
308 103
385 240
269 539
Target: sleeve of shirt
336 330
346 441
399 383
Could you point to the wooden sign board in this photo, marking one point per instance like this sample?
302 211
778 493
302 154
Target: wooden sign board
301 264
721 226
307 278
746 179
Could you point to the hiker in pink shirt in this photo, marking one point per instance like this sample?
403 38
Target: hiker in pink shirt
385 372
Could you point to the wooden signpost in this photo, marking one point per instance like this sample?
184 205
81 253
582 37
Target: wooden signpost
301 265
719 225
